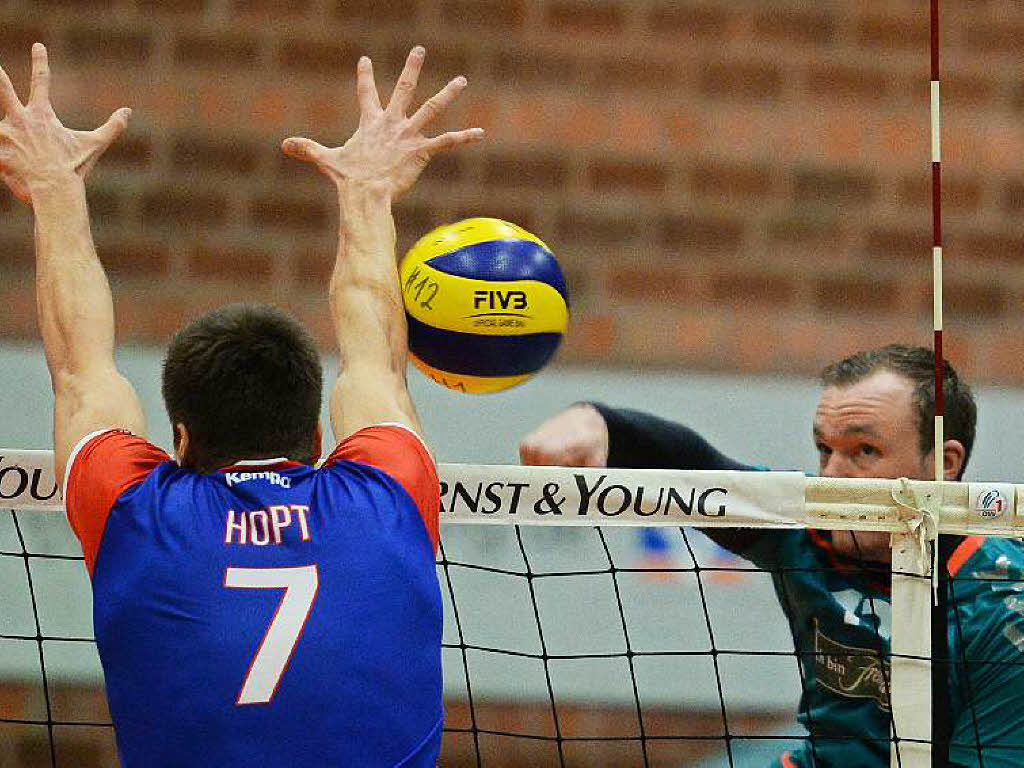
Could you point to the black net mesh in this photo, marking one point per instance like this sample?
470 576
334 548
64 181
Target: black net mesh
562 647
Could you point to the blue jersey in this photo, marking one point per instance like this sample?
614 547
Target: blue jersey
267 614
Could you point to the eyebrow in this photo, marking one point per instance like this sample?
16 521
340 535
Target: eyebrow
853 429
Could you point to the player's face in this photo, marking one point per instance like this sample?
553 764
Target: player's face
869 429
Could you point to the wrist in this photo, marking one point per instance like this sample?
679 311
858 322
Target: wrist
363 191
598 418
365 212
56 183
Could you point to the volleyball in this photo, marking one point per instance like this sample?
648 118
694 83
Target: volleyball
486 304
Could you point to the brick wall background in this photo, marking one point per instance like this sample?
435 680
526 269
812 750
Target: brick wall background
729 184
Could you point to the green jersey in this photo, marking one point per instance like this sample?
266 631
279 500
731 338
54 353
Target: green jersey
986 640
840 613
840 616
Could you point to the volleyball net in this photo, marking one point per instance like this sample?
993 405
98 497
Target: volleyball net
587 622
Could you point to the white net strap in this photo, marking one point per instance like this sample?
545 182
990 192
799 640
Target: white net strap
515 495
911 632
920 515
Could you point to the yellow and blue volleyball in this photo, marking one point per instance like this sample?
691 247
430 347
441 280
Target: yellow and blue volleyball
486 304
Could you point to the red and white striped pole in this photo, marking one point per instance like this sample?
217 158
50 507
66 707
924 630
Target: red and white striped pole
919 655
941 729
940 400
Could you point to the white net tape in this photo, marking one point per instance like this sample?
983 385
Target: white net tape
514 495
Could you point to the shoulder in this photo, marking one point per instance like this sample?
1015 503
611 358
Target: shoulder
110 460
393 448
102 467
772 548
401 454
991 554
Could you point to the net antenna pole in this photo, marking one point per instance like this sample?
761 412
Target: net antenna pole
919 684
941 723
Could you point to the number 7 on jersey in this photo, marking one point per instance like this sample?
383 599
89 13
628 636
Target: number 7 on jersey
300 585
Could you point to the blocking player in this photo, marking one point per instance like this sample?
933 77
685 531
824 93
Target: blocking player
250 609
874 419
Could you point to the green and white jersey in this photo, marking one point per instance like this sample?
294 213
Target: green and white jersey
839 613
986 638
840 617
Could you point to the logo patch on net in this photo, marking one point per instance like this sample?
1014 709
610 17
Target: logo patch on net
990 501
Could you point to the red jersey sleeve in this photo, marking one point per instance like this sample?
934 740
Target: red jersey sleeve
399 452
102 467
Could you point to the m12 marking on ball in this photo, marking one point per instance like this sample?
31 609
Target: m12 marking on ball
431 286
499 299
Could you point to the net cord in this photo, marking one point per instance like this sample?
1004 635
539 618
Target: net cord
516 495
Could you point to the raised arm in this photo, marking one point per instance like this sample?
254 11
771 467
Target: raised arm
381 160
45 165
594 435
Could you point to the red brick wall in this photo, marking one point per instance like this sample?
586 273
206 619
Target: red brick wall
729 184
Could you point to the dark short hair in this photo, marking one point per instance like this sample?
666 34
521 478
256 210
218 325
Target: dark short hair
246 381
917 365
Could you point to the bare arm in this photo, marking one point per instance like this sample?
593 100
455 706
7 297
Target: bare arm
44 164
381 160
369 317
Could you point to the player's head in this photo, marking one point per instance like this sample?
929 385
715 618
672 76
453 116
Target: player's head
243 382
876 416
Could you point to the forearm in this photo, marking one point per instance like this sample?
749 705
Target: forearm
76 313
369 317
641 440
365 297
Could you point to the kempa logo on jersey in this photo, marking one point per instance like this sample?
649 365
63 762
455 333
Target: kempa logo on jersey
589 496
234 478
15 480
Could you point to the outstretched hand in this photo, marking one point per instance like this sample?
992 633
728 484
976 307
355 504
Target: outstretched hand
388 150
35 148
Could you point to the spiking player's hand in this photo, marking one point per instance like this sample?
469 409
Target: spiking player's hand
576 437
388 151
35 148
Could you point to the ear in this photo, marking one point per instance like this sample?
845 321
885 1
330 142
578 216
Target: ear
953 454
181 444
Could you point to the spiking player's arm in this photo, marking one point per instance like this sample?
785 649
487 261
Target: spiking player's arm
381 160
45 165
594 435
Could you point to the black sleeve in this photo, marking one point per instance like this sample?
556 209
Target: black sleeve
639 440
